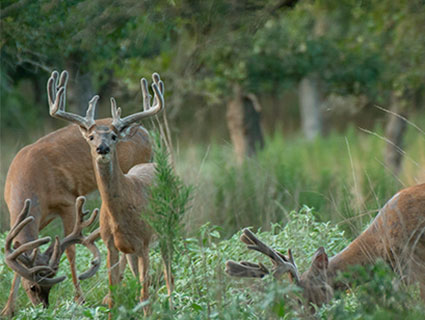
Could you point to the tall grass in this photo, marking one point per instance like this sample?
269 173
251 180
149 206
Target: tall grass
341 176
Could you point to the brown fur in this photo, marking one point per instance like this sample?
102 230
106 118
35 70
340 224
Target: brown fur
53 172
124 197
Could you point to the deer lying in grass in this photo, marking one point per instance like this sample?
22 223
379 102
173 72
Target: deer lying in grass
124 196
397 235
39 269
53 172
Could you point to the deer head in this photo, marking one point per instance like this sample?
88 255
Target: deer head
102 139
38 269
314 281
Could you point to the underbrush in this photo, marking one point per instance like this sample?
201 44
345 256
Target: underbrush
204 291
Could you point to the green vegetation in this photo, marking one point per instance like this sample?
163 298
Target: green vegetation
346 183
168 202
361 58
341 176
204 291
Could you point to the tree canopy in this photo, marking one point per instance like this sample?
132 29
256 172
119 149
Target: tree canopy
366 47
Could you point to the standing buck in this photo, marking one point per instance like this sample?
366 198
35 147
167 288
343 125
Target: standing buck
53 172
396 235
39 269
124 196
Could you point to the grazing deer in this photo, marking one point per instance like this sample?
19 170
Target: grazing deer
39 269
53 172
396 235
124 196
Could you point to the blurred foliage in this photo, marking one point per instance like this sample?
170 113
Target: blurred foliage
340 176
357 47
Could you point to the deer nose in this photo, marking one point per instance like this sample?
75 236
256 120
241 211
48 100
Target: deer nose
103 149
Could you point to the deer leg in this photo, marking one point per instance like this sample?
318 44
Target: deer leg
122 265
9 308
144 277
68 220
133 263
112 264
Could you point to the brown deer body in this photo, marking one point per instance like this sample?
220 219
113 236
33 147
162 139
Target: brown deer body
124 196
52 173
396 235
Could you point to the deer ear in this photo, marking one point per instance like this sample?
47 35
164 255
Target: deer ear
83 130
320 259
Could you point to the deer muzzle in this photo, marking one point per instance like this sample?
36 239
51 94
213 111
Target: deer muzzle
103 149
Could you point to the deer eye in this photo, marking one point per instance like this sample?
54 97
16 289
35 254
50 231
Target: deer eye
33 288
91 138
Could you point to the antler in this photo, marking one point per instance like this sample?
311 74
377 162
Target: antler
281 264
76 236
56 94
148 110
18 261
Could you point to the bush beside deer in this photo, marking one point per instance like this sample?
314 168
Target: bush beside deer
396 235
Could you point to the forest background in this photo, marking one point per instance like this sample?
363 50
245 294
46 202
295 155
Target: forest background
273 105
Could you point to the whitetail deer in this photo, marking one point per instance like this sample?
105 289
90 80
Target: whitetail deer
124 196
53 172
39 269
396 235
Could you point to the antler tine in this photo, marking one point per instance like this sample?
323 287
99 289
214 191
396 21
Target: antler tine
157 79
246 269
281 264
13 258
145 93
148 110
89 243
76 236
55 255
20 223
56 93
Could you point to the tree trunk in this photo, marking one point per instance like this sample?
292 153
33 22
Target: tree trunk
243 120
310 104
394 132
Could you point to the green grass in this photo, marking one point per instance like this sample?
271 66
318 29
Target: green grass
204 291
341 176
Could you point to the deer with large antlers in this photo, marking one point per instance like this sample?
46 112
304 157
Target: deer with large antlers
396 235
39 269
124 196
53 172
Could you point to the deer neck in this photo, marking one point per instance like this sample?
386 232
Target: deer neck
362 251
109 177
